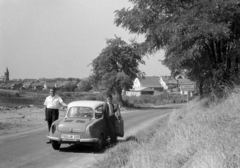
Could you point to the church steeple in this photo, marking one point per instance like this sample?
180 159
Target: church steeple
7 75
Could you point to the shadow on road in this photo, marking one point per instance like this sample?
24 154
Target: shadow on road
78 148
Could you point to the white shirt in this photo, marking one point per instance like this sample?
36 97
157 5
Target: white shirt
53 102
110 109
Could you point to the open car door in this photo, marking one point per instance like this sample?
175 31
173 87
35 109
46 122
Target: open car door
119 124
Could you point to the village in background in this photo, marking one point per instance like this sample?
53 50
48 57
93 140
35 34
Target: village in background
149 85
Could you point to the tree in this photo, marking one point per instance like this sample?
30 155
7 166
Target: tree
117 66
202 36
85 85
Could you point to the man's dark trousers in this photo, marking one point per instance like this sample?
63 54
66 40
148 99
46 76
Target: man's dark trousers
112 128
51 116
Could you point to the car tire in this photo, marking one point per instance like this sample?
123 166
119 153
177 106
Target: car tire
99 144
56 145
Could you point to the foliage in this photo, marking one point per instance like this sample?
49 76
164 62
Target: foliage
149 100
198 35
85 85
117 66
73 79
69 88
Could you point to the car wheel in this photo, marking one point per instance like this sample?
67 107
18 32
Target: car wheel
98 145
56 145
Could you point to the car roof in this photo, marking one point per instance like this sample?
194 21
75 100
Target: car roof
86 103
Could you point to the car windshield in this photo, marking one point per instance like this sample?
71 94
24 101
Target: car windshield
80 112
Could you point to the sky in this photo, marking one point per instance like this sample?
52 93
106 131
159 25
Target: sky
60 38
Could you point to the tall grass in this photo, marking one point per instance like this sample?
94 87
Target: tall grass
196 136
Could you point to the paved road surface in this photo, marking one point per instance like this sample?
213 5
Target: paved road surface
31 151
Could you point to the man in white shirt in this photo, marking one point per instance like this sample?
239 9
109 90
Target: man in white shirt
52 104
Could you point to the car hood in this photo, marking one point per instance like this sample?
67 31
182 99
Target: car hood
74 125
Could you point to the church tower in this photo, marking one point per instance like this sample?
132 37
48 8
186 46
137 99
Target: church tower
7 75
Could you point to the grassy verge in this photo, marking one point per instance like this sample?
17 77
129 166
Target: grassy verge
195 136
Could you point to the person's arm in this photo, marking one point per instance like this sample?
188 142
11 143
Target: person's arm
45 113
114 109
116 112
62 102
45 104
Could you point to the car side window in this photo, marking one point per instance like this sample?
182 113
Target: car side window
98 112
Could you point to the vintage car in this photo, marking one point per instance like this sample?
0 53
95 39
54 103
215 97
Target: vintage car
83 124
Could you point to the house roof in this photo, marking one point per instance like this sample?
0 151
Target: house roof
172 81
50 83
2 84
64 84
17 84
38 84
27 83
8 85
169 80
59 82
150 81
185 81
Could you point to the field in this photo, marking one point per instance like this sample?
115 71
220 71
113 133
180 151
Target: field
14 99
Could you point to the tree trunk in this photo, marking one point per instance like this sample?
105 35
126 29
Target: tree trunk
119 97
201 89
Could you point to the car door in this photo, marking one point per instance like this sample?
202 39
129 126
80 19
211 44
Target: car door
101 123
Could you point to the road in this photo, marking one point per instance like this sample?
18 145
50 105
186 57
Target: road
30 150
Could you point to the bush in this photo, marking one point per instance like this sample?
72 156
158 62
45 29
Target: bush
164 98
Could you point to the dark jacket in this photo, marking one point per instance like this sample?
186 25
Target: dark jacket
106 110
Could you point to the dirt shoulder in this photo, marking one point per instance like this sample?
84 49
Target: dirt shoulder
13 121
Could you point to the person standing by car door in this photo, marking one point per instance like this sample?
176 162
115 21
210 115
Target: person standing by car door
52 104
109 116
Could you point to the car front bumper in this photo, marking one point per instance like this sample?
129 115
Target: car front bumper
80 140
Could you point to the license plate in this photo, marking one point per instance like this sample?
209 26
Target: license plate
70 137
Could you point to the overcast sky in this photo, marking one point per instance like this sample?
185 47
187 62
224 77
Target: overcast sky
60 38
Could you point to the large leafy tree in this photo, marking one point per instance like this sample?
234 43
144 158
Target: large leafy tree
117 66
85 85
202 36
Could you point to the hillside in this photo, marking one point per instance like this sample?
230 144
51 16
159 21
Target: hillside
197 136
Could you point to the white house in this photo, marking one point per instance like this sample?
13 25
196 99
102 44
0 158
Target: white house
187 87
168 82
149 85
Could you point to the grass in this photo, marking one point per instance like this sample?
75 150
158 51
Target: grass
196 136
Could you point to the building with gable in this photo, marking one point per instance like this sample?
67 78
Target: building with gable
187 87
38 85
50 84
168 82
5 78
148 85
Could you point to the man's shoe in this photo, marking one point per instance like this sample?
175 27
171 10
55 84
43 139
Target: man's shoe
49 142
